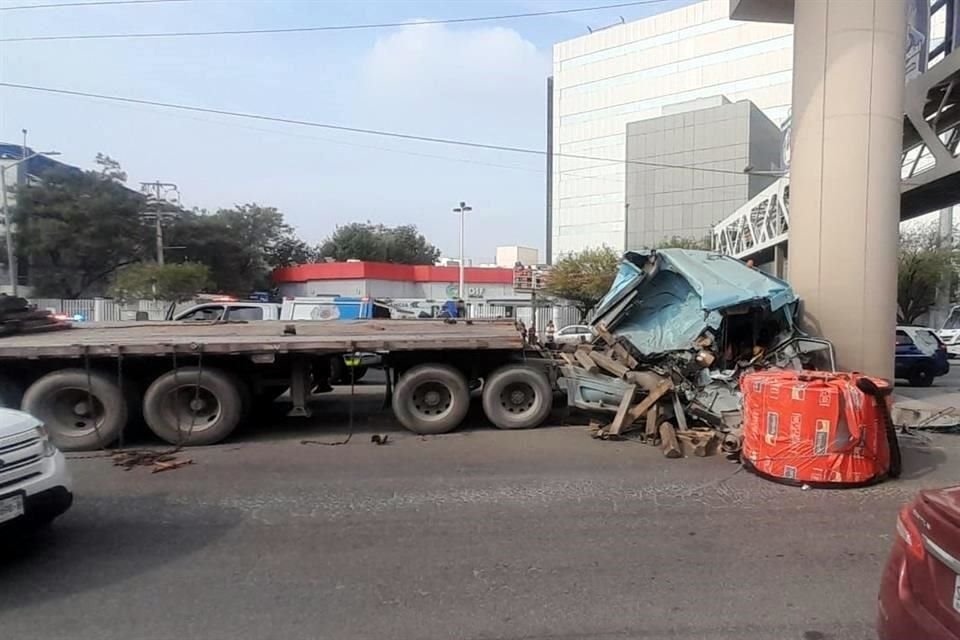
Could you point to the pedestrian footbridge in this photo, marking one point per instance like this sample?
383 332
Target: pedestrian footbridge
930 163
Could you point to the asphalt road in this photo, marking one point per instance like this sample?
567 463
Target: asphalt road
945 388
479 534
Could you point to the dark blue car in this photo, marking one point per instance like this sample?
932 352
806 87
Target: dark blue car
921 356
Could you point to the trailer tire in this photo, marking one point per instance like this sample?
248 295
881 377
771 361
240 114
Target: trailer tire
517 397
60 400
177 413
431 399
11 393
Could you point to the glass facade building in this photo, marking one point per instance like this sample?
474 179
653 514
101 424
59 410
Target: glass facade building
635 71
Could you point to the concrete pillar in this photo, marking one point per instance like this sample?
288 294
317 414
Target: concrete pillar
848 87
779 261
942 308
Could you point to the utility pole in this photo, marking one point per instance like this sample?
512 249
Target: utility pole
463 209
945 241
158 191
23 171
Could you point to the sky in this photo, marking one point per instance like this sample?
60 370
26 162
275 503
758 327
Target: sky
483 82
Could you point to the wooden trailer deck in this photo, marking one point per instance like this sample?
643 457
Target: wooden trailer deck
273 337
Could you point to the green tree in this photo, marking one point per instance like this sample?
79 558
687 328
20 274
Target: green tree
110 169
583 278
77 229
925 262
378 243
240 246
173 282
290 251
680 242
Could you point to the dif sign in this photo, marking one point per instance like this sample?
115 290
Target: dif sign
453 291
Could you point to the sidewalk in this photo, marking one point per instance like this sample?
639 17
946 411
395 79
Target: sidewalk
937 410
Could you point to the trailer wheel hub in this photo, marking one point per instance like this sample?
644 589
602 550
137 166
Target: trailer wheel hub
72 407
432 399
517 397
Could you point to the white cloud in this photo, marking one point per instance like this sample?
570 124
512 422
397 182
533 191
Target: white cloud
480 79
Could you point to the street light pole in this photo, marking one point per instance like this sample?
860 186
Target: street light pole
5 209
463 209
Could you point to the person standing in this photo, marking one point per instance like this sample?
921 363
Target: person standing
550 332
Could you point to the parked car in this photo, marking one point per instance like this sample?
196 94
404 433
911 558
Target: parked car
920 356
573 334
920 585
325 308
35 486
227 311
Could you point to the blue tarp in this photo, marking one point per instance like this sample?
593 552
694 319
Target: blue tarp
685 295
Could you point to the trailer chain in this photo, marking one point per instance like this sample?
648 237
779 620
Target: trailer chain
120 439
346 440
91 408
163 459
196 396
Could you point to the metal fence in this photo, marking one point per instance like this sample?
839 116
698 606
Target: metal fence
106 310
562 315
103 309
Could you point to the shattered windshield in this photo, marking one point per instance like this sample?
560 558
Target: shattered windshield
952 322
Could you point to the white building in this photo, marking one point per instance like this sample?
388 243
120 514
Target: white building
508 256
639 70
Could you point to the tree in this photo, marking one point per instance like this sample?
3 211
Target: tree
110 169
77 229
290 251
925 262
378 243
583 278
173 282
680 242
240 246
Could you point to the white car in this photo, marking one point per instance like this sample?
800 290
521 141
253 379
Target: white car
35 486
574 334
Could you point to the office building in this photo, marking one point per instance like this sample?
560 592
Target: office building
635 71
509 256
723 140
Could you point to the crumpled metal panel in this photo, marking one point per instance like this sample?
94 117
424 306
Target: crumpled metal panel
682 296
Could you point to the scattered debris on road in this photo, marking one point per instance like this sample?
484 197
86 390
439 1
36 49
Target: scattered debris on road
673 336
159 460
916 414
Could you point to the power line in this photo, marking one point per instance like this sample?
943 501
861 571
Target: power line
372 132
301 136
95 3
342 27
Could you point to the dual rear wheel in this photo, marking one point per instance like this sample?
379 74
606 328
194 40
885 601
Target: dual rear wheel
87 410
434 398
84 411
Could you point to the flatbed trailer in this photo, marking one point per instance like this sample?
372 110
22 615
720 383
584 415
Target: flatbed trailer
193 383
